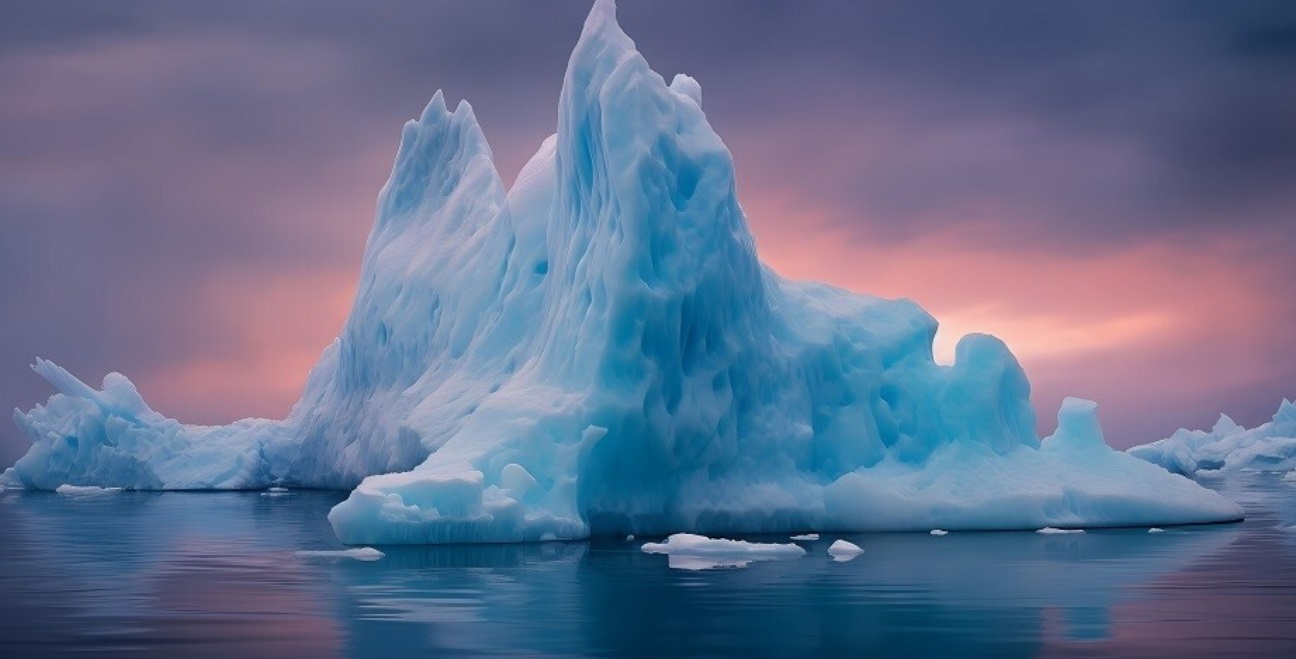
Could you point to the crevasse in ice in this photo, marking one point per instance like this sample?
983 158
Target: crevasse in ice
598 351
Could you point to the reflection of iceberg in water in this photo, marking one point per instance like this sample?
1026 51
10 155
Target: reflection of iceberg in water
996 588
985 593
186 573
1268 498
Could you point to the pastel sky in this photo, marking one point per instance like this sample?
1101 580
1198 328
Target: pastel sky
186 187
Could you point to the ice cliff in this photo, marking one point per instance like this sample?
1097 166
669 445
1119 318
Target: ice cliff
1228 447
598 351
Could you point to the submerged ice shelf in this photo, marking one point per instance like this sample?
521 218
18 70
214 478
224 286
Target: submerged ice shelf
598 351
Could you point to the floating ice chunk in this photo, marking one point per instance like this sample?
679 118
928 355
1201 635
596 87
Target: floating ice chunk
358 553
86 489
805 537
842 551
1049 530
1290 477
277 490
630 538
697 552
939 532
1156 530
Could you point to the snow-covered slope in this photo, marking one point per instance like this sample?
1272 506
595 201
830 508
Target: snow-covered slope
599 351
1268 447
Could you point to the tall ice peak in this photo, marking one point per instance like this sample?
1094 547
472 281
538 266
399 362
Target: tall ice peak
599 352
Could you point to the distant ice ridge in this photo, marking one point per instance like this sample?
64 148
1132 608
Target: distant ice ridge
1228 447
598 351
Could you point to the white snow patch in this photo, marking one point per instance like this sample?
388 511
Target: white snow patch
359 554
688 551
843 551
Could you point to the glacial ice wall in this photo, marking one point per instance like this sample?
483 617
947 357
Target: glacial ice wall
1270 446
599 351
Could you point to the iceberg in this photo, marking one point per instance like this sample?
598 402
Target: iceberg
598 351
1228 446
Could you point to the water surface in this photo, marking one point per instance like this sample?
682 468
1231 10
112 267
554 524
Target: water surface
216 575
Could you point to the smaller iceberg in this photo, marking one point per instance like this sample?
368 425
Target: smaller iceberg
842 551
1049 530
688 551
805 537
1228 446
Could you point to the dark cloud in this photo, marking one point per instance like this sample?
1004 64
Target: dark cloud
149 148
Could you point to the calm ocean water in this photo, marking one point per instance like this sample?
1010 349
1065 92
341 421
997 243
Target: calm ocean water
216 575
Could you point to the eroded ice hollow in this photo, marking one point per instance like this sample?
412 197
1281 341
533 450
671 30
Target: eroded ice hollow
598 351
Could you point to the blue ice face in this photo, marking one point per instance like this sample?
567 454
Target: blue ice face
600 351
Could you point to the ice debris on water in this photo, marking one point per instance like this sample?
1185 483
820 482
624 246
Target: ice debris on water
697 552
359 553
86 489
843 551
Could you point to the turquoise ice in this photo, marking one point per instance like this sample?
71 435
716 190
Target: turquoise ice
597 350
1270 446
